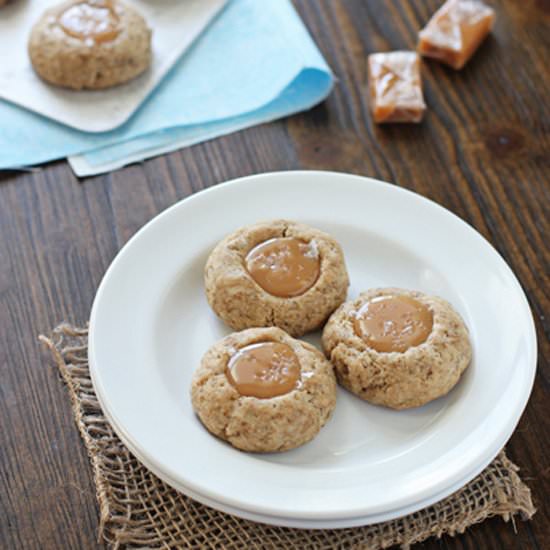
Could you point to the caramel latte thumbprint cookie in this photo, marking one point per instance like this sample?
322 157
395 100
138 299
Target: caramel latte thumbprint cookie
90 44
261 390
396 347
276 273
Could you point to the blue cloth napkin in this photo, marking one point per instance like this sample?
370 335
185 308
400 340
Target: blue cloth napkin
255 63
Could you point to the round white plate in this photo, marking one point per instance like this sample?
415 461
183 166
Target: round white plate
151 324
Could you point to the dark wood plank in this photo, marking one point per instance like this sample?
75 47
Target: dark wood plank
483 152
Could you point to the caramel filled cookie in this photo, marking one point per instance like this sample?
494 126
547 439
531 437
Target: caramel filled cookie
276 273
261 390
90 44
396 347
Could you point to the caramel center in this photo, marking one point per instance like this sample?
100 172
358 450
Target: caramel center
91 19
393 323
264 370
284 267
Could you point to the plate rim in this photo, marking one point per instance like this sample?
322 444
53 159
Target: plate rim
283 521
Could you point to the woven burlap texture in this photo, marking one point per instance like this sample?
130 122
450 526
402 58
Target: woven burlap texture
137 509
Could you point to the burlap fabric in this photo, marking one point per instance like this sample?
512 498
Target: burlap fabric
139 510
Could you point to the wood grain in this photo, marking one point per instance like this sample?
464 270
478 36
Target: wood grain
483 152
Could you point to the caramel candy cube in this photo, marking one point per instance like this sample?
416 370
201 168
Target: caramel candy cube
455 31
395 87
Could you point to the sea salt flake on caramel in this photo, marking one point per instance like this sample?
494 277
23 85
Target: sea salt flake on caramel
395 87
284 266
455 31
91 20
393 323
264 370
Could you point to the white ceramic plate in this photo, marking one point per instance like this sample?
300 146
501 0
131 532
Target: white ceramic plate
151 324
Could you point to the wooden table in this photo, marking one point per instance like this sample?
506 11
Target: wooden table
483 152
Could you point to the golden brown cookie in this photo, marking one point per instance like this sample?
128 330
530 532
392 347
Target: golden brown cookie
276 273
90 44
396 347
261 390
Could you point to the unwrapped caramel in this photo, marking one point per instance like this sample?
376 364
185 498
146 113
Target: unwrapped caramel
395 87
455 31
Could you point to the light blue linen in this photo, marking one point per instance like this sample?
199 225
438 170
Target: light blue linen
256 62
